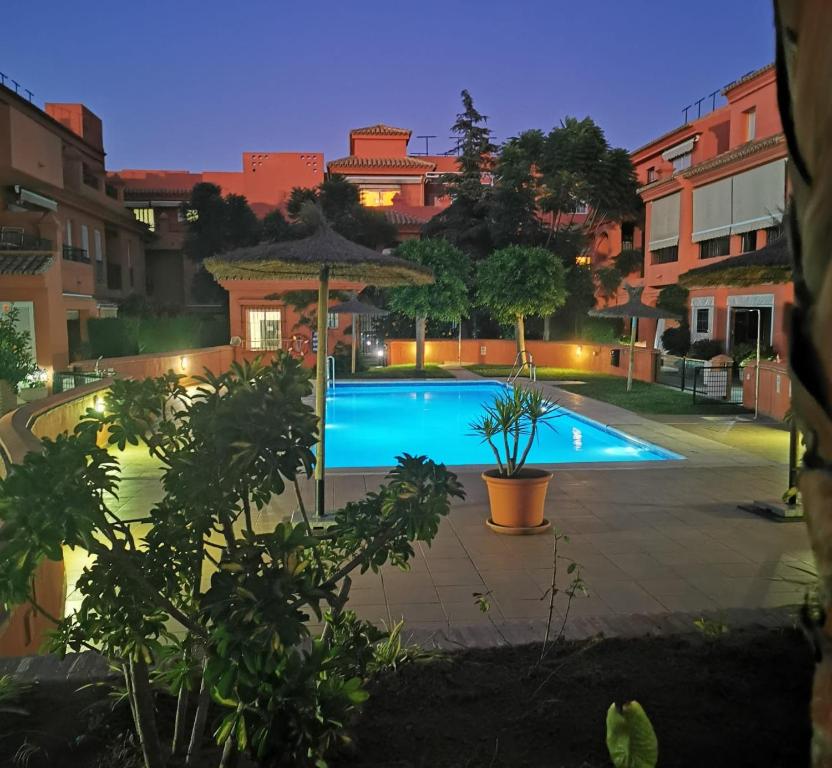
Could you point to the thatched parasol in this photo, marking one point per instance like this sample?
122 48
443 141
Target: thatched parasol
321 256
357 309
634 308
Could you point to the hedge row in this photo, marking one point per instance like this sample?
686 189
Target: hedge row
122 336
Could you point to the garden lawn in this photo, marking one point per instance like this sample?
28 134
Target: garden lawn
399 372
643 398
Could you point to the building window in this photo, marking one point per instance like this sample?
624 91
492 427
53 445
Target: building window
99 256
583 261
772 233
373 198
665 255
716 246
581 209
703 320
68 233
146 216
680 162
187 214
627 236
332 320
264 329
651 175
748 241
750 124
85 239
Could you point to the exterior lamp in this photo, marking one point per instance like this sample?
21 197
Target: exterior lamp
98 404
183 362
580 350
380 352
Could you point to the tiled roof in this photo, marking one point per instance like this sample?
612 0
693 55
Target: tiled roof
745 78
354 161
744 150
24 263
380 129
658 139
402 218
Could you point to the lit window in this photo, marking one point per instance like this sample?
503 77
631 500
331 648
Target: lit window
146 216
680 162
187 214
373 198
581 208
750 125
332 320
264 329
583 261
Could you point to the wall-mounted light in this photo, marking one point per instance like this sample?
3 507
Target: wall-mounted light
580 350
380 352
98 404
183 362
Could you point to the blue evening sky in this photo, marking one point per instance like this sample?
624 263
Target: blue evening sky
190 84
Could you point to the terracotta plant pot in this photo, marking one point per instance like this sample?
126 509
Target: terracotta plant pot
517 502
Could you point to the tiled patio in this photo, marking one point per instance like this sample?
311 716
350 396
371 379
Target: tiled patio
650 538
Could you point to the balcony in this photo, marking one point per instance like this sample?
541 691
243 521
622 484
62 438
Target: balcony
13 239
71 253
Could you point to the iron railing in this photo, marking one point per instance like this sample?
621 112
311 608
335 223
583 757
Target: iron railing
19 241
678 372
63 381
71 253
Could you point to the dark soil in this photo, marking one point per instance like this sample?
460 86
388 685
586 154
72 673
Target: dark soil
741 700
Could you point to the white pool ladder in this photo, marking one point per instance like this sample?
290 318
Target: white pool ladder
330 372
522 359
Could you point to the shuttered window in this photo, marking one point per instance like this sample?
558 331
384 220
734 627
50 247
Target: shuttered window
759 197
664 222
712 210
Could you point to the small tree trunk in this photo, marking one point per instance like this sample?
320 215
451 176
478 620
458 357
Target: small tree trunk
356 341
547 328
200 718
421 322
229 754
145 715
521 334
632 354
180 724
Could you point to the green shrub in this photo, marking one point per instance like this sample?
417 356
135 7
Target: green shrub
673 298
677 340
113 336
600 330
705 349
747 352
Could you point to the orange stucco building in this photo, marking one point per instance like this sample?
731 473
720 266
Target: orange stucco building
69 249
714 189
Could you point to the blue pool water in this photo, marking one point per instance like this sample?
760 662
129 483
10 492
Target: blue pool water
368 425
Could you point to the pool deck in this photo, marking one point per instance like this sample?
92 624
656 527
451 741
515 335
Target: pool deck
652 538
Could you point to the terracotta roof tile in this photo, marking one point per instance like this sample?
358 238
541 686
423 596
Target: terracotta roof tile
24 263
380 129
746 77
355 161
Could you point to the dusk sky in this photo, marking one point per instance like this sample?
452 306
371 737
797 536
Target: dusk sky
191 84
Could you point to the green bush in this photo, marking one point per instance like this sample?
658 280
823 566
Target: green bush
747 352
120 336
113 336
705 349
677 340
673 298
600 330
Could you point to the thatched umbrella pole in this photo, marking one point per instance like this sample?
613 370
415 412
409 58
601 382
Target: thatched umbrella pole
634 309
320 386
356 338
356 309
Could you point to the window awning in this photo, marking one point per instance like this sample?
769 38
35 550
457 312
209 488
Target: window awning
663 215
33 198
759 197
679 149
712 210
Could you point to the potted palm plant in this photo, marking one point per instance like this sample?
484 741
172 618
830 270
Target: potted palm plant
516 493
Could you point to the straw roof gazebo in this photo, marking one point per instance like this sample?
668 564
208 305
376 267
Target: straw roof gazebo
357 309
634 308
321 256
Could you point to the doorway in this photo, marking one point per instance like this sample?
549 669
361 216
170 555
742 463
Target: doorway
73 334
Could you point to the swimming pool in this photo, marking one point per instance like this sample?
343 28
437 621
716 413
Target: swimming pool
368 425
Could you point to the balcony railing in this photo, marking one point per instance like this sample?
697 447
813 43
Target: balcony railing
19 241
71 253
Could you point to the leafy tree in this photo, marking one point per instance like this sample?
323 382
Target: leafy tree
518 281
16 362
514 216
447 299
275 227
674 298
339 201
242 227
580 297
241 594
609 281
465 222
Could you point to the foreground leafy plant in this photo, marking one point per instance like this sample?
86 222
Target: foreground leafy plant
205 604
631 740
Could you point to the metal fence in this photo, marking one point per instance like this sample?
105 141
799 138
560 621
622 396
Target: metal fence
717 384
677 372
66 380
